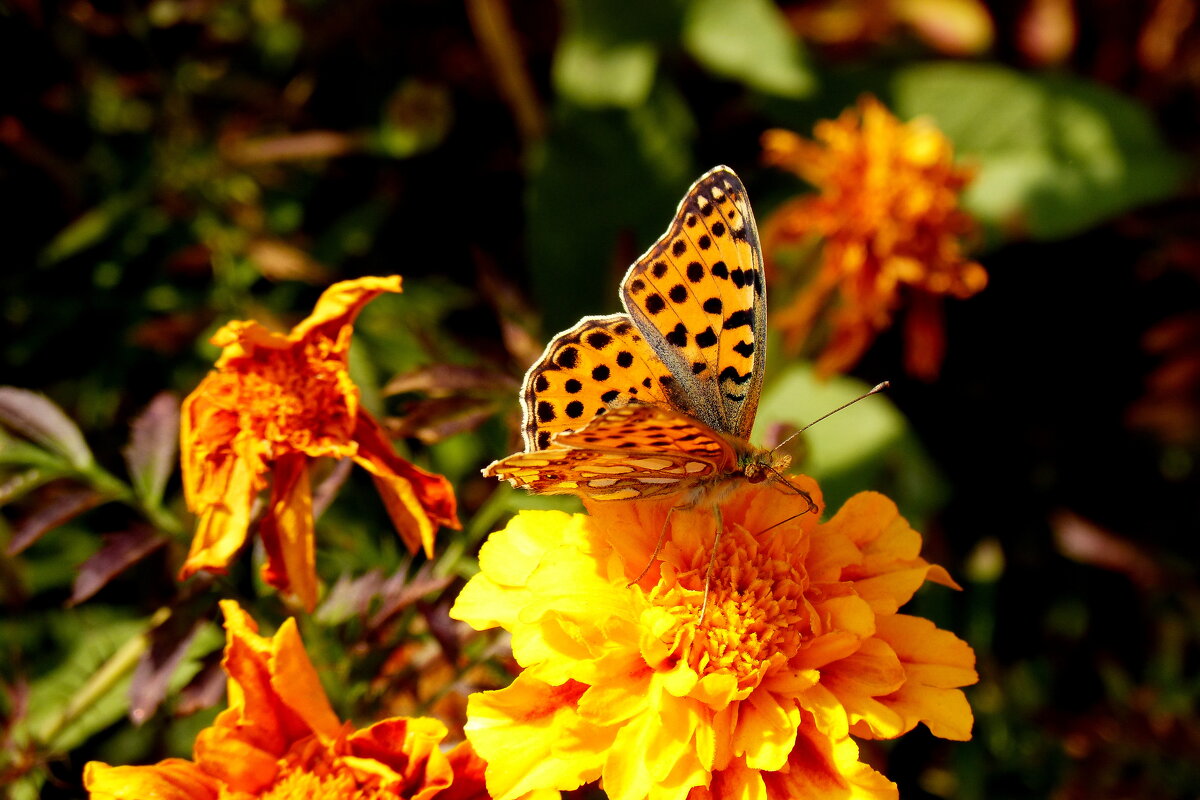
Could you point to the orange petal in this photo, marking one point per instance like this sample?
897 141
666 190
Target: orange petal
468 770
221 474
936 663
339 305
275 699
172 779
417 501
287 531
411 749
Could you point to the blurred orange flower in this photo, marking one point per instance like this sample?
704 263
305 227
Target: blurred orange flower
888 219
800 649
274 403
279 738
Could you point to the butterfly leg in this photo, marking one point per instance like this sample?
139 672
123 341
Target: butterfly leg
712 559
662 537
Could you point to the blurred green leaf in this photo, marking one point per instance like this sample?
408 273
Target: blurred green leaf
749 41
608 51
1056 154
90 228
95 636
596 74
602 189
867 446
37 418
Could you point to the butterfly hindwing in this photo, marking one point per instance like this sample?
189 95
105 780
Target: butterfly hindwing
699 299
628 453
601 362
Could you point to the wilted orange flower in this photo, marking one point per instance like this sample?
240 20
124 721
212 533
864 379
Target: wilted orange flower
279 738
800 649
887 215
274 403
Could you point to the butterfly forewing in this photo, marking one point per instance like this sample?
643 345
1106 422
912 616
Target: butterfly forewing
699 299
601 362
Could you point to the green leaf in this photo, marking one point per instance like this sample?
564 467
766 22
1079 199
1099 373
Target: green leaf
749 41
608 52
1056 154
865 447
38 419
91 227
595 74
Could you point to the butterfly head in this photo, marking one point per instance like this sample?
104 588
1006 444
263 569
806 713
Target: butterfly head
764 465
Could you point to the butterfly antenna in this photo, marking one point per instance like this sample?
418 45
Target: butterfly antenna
878 388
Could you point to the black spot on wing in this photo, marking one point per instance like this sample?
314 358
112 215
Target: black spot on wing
744 349
624 359
567 358
731 374
738 319
572 386
678 335
706 338
599 339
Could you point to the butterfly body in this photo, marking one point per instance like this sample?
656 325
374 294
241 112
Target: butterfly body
659 400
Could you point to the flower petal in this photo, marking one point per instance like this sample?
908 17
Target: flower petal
340 304
287 531
172 779
417 501
531 737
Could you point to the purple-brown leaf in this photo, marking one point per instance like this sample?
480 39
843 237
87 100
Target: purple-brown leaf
57 504
153 447
168 644
204 690
38 419
118 552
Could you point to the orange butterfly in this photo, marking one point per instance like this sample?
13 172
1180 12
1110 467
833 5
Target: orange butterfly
660 400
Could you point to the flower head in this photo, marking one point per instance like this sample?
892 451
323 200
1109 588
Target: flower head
888 218
800 649
279 738
274 403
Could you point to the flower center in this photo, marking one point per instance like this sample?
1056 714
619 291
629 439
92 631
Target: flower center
756 618
311 770
295 399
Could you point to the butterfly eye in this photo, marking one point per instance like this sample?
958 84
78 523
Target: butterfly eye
756 477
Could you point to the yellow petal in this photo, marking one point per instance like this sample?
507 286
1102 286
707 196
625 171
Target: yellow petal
532 738
172 779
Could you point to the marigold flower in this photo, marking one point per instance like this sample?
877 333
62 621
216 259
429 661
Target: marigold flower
888 217
274 403
800 649
280 738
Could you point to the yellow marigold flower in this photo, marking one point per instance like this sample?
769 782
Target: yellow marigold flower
274 403
888 217
279 738
800 649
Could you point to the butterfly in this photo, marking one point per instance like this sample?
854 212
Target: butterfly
659 400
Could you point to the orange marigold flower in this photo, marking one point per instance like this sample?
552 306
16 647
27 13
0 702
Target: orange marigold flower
274 403
280 738
888 217
801 648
